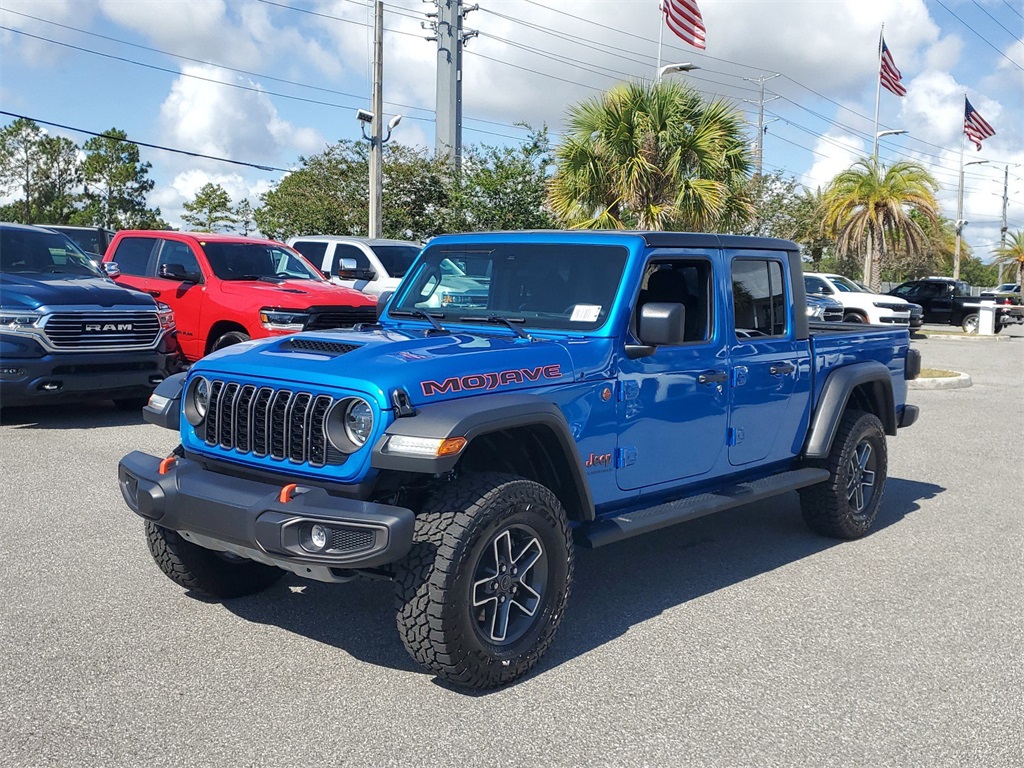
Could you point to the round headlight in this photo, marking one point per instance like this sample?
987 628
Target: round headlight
197 401
358 421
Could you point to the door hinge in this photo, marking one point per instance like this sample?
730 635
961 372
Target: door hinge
625 457
734 436
739 375
629 389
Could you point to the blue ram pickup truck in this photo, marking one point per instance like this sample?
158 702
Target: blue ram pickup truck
588 387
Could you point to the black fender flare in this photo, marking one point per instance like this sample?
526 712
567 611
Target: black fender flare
836 394
166 414
474 416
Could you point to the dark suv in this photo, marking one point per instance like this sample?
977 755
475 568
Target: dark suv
69 333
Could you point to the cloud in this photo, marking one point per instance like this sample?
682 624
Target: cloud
201 115
32 51
833 153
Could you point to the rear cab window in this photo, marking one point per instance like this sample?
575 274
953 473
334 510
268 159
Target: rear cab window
133 254
759 298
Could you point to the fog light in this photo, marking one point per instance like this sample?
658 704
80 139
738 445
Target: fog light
318 536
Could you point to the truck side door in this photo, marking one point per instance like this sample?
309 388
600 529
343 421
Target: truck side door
673 404
185 297
770 367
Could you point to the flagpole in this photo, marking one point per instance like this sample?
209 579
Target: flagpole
878 95
960 201
661 34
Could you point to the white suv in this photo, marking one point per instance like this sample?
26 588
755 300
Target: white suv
859 305
374 266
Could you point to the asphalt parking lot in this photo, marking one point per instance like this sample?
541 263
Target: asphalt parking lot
736 640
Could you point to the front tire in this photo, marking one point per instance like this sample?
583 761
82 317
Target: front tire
204 571
845 505
854 317
482 592
229 339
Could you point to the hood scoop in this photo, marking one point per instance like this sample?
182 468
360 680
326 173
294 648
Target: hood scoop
333 348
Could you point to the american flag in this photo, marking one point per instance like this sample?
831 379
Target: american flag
889 75
975 126
683 18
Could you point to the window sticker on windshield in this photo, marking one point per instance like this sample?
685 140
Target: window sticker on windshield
585 313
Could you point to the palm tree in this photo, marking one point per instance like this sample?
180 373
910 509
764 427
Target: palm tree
868 203
1012 253
807 213
651 156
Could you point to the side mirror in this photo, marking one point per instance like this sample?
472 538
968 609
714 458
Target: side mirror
176 272
111 268
348 270
382 301
662 324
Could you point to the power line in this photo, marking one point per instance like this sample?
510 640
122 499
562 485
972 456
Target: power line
978 34
997 21
145 144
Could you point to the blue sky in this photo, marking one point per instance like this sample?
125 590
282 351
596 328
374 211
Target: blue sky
267 82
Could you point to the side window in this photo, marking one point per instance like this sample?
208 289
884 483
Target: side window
758 297
686 282
816 285
132 255
173 252
313 251
342 251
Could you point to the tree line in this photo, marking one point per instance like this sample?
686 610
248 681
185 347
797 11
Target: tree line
639 156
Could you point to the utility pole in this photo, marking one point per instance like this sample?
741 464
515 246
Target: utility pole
1002 230
446 24
376 125
760 116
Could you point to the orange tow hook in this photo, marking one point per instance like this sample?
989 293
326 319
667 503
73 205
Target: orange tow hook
166 464
286 493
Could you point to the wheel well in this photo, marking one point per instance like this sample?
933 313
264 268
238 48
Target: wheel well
873 397
532 452
220 328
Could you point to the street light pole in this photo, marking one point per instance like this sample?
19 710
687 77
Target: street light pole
960 223
376 126
880 134
669 68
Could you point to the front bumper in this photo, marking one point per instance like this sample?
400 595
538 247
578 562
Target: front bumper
248 518
83 375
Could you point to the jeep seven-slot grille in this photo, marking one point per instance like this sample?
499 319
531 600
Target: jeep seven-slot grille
270 422
102 330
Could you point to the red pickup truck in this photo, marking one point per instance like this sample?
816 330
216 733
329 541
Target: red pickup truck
227 289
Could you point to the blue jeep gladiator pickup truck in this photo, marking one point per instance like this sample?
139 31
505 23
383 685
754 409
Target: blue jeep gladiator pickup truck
591 387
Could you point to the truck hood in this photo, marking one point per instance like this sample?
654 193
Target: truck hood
296 294
431 368
18 291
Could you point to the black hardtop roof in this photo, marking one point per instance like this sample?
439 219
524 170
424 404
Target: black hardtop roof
652 239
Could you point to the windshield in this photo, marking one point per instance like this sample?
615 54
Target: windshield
566 287
257 261
33 251
396 259
845 286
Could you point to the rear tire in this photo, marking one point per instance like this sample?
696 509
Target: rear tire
229 339
845 505
970 323
483 590
204 571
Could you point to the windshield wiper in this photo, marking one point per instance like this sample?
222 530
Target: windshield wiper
419 313
510 322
